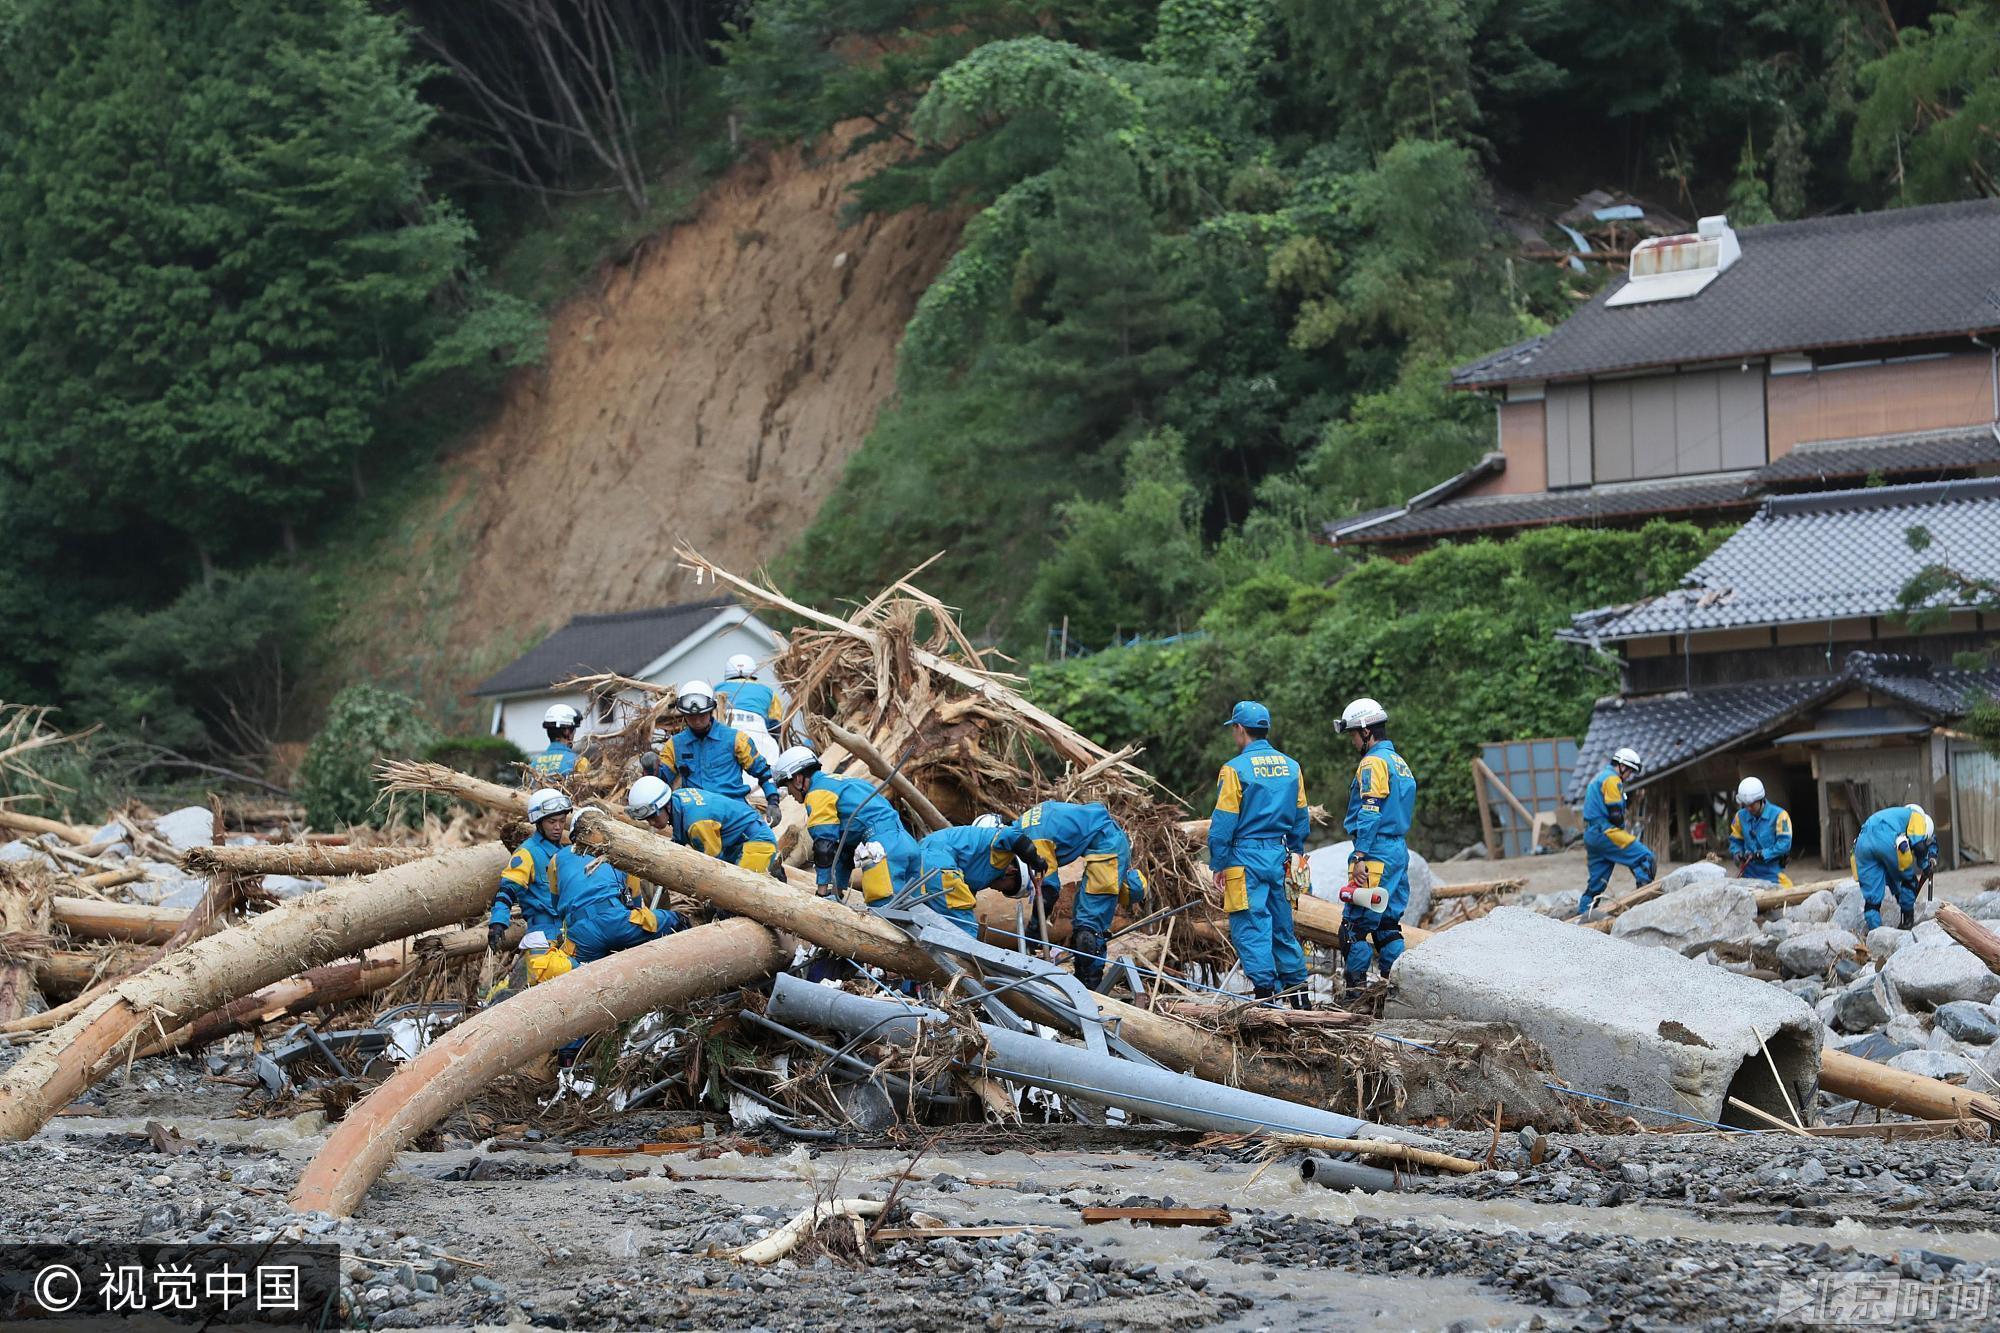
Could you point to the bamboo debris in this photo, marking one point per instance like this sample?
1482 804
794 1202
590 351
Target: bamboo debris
302 860
862 749
301 934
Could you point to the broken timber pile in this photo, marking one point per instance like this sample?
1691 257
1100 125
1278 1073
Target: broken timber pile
306 860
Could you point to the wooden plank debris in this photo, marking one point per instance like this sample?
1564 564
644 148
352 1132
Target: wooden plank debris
1161 1217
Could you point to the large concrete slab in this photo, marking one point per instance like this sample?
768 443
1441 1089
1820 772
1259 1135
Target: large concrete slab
1640 1024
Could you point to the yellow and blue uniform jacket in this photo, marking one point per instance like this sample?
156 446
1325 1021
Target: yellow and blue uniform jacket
602 910
843 813
958 862
1381 803
721 826
558 761
530 883
724 761
1064 831
1260 801
1761 843
1604 812
1891 853
755 698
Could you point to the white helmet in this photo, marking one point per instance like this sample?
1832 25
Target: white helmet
869 855
1361 713
694 697
988 821
560 716
798 759
647 798
548 801
1627 757
659 737
740 666
1749 791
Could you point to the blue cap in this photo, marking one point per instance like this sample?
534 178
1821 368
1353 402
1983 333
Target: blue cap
1249 713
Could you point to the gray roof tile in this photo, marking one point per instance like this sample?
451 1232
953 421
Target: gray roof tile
1828 282
623 641
1937 451
1823 556
1584 504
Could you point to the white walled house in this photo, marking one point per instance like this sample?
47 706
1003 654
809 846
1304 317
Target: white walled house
661 645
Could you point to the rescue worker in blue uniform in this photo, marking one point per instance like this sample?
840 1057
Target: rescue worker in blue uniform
530 880
718 826
711 756
1896 851
957 862
1063 831
747 698
601 906
561 759
1257 832
1760 834
849 820
1381 802
1606 841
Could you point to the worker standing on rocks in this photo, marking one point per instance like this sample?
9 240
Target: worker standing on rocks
1760 835
561 759
718 826
1606 840
601 908
852 824
529 881
1895 850
1381 803
957 862
1256 834
712 756
754 707
1064 831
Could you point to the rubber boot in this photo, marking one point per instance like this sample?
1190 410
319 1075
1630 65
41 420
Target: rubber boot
1264 992
1301 1001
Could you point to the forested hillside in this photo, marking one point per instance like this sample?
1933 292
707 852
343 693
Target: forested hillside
264 266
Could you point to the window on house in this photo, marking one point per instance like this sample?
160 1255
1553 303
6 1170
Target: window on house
1677 425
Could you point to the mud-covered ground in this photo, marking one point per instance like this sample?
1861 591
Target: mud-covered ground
1652 1231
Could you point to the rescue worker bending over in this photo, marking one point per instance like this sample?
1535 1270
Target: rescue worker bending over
1606 842
561 759
850 823
1063 831
1760 835
711 756
754 707
1258 829
1381 801
529 881
1895 851
718 826
956 863
601 908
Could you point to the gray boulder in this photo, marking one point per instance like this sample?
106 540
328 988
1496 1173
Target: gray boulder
186 828
1974 1024
1809 953
1982 905
1816 910
1862 1005
1909 1030
1928 975
1883 941
1697 872
1713 912
1848 909
1933 1064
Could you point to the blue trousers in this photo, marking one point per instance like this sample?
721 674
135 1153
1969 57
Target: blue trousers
1261 929
1603 855
1880 875
596 933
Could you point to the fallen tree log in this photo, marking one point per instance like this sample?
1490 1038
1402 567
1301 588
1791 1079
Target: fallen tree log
662 974
864 750
1873 1084
1318 921
36 826
866 938
1981 942
303 860
67 973
1474 888
188 983
132 923
24 938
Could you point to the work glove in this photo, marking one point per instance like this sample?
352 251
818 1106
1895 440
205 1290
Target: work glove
496 931
1298 879
644 919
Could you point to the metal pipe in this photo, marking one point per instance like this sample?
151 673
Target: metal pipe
1347 1175
1154 1092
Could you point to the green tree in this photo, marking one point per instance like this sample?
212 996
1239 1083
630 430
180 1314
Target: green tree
365 725
217 254
1929 124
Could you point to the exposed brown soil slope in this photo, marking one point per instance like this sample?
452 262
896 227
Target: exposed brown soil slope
710 389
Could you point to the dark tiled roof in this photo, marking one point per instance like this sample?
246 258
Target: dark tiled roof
624 642
1829 282
1672 730
1823 556
1584 504
1936 451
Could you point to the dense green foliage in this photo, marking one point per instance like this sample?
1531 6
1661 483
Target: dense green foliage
365 725
1458 642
